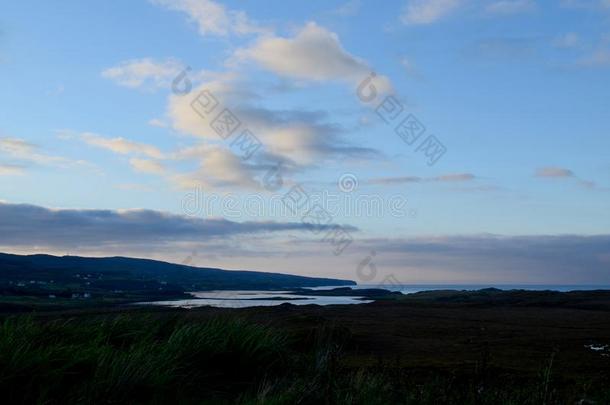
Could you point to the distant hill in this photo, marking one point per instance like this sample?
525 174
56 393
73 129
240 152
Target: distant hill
127 274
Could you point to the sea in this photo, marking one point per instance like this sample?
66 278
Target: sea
250 298
414 288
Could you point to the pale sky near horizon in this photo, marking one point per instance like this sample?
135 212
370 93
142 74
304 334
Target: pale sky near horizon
102 152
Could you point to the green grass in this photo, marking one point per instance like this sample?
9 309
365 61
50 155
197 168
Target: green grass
132 359
171 358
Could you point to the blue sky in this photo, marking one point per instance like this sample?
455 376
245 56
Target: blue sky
515 90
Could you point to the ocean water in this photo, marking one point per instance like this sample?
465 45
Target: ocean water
413 288
247 298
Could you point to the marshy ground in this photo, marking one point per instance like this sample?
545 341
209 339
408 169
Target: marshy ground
439 347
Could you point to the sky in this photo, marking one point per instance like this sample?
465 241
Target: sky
407 141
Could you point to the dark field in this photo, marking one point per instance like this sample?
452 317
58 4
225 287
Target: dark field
441 347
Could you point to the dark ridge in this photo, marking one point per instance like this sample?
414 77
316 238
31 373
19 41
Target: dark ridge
45 274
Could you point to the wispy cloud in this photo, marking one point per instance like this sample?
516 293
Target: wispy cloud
506 7
446 178
213 18
11 170
144 73
147 166
591 53
156 122
348 9
410 67
598 59
504 49
554 172
567 40
27 152
218 168
298 139
420 12
17 147
121 145
455 177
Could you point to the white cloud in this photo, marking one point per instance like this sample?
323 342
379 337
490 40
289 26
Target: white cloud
348 9
314 54
419 12
28 152
182 115
146 73
121 145
219 168
300 137
410 67
213 18
599 59
10 170
147 166
568 40
297 138
156 122
16 146
505 7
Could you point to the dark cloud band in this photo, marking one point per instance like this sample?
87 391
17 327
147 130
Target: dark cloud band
30 225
